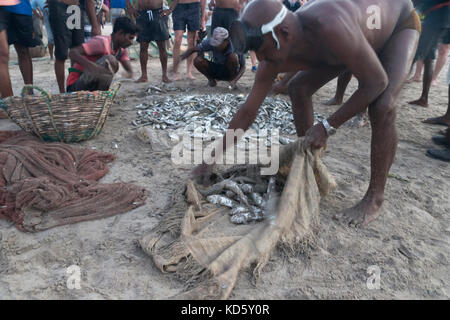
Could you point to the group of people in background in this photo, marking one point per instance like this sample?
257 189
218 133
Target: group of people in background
155 19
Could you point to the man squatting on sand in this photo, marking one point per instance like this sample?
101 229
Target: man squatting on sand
226 64
324 39
152 21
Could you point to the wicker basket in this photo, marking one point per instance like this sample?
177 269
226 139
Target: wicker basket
69 117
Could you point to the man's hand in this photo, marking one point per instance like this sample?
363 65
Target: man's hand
132 11
166 13
316 137
202 173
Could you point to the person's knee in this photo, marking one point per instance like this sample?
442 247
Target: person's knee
143 46
298 88
113 62
383 111
22 52
198 61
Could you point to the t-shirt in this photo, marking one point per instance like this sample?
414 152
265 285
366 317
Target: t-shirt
121 4
439 17
24 7
96 48
219 57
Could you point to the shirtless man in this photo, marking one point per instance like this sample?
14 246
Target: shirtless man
325 38
153 27
225 12
186 14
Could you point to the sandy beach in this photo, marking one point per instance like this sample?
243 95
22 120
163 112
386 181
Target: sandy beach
409 242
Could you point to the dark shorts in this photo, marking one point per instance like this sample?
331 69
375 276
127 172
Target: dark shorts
4 19
63 37
446 38
429 41
187 15
20 29
218 71
223 17
156 29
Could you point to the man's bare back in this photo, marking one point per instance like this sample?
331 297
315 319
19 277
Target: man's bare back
227 4
149 4
347 18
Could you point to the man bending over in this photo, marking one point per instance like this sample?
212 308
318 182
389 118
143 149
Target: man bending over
97 60
326 38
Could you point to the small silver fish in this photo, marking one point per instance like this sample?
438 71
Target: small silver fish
218 199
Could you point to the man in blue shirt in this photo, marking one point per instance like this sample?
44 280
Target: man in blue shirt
226 64
117 9
21 35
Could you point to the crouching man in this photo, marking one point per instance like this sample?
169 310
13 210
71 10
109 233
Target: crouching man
97 60
226 65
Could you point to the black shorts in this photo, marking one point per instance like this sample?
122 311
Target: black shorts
153 26
446 38
187 15
4 19
218 71
63 37
20 29
429 42
223 17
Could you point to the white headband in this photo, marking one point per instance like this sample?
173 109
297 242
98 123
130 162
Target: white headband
269 27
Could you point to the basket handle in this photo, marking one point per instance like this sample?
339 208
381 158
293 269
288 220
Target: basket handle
112 90
49 106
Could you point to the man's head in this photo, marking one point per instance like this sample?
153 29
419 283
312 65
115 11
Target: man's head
264 27
124 32
219 38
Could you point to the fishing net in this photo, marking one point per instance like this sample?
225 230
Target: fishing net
202 246
44 185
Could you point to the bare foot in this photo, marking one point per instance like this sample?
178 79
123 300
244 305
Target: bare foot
212 83
176 77
420 102
190 76
442 121
413 80
142 79
333 102
362 214
166 79
433 83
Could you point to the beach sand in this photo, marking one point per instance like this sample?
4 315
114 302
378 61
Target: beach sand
409 243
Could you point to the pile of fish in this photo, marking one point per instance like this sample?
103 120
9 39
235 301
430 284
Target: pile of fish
249 201
206 115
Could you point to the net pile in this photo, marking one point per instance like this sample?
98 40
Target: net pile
44 185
